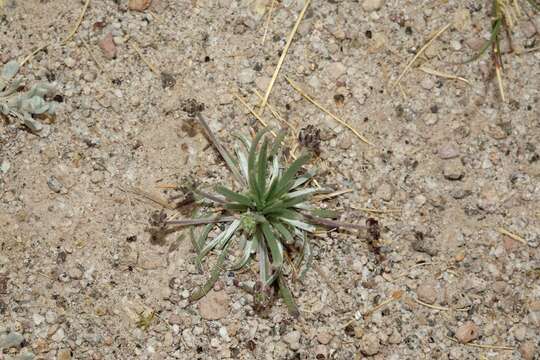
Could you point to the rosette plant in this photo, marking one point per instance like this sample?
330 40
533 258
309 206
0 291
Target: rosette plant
267 214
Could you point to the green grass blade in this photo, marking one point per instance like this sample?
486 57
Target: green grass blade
249 247
275 246
276 146
262 165
301 225
283 205
286 214
303 192
286 180
234 196
303 179
221 239
252 165
214 275
493 38
264 265
242 162
284 232
229 233
287 297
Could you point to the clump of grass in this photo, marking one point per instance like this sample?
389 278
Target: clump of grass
24 105
504 15
268 215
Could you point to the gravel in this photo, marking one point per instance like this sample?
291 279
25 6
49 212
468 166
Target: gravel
451 165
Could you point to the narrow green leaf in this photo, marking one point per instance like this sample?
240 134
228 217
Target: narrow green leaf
242 162
276 146
222 238
262 165
303 179
275 247
283 205
229 233
199 243
493 37
303 192
284 232
218 267
252 165
287 297
234 196
301 225
249 248
286 180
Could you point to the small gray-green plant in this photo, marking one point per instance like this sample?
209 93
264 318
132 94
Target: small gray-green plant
23 105
268 215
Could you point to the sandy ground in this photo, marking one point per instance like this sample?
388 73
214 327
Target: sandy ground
78 271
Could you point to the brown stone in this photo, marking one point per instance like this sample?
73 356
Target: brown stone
214 306
467 332
139 5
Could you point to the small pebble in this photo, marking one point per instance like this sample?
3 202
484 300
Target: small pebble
336 70
385 192
97 177
51 317
369 345
324 337
293 340
427 292
453 170
427 84
9 340
467 332
63 354
527 350
345 143
4 166
37 319
70 62
247 76
448 151
108 46
372 5
139 5
214 306
54 184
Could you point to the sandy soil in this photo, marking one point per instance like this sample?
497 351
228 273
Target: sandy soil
78 271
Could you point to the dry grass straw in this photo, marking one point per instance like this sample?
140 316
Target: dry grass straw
77 24
396 295
143 58
436 307
420 52
444 75
483 346
274 112
267 22
512 236
68 38
377 211
326 111
282 57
